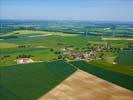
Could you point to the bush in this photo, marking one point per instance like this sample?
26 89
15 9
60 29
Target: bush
51 49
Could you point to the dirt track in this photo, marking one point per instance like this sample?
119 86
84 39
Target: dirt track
84 86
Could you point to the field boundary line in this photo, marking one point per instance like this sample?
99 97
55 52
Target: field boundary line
72 65
65 62
57 85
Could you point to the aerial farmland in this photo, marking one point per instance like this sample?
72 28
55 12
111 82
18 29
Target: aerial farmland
66 50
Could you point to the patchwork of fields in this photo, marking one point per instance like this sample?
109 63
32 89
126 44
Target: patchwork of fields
32 81
114 77
84 86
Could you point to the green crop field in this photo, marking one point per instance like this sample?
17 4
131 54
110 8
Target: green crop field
38 47
114 77
124 69
30 81
125 58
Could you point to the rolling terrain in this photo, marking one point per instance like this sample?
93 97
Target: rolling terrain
70 60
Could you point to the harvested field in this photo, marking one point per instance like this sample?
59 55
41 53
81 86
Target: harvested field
109 38
85 86
120 79
42 33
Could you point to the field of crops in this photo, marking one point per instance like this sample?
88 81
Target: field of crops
123 69
125 58
38 47
114 77
29 82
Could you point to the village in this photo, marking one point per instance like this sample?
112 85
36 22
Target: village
71 53
87 54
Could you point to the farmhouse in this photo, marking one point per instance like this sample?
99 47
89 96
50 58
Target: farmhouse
24 60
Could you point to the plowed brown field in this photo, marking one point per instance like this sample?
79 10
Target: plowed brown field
84 86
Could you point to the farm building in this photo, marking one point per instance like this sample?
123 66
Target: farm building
24 60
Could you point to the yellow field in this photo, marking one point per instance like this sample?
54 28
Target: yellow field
109 38
44 33
7 45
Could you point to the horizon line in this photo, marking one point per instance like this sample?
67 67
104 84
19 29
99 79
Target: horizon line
100 20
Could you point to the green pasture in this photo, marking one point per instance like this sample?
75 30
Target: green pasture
50 41
4 45
125 58
37 54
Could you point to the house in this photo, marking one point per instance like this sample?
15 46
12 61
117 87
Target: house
67 49
97 49
24 60
85 55
114 62
76 56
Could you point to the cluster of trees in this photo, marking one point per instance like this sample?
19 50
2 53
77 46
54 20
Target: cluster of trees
8 37
51 49
22 46
60 56
57 52
23 56
60 43
5 56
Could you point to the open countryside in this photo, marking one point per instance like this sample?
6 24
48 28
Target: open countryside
66 50
52 55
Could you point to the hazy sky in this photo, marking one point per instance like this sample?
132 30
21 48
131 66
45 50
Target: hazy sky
121 10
